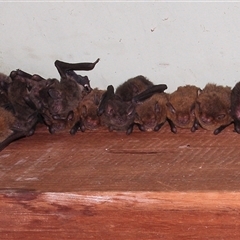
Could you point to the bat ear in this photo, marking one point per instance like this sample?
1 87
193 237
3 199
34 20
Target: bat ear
109 94
54 93
84 111
171 108
199 91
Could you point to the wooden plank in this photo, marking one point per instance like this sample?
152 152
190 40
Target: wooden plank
103 161
107 185
114 215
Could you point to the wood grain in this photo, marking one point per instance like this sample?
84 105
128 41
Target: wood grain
102 185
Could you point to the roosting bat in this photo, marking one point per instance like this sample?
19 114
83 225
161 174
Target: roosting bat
18 114
118 114
86 115
235 106
180 108
152 113
61 98
212 108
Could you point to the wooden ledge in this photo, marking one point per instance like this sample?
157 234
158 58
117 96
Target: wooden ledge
101 185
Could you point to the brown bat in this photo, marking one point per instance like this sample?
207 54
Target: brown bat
119 114
18 118
213 107
86 115
116 113
151 114
60 99
180 108
235 106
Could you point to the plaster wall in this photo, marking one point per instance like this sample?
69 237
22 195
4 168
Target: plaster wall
176 43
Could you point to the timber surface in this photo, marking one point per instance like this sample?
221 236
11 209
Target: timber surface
107 185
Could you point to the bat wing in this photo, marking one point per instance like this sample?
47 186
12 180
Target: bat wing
149 92
63 67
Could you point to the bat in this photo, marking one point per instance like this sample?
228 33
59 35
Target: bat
151 114
180 108
119 114
213 108
86 115
59 100
18 115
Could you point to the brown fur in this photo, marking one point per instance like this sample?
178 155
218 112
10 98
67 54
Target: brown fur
6 121
181 106
119 110
88 109
86 113
132 87
152 113
213 107
119 116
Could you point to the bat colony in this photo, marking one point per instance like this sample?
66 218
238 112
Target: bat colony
71 104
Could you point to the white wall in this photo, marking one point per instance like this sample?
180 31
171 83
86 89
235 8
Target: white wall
173 43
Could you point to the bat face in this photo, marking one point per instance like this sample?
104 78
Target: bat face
119 111
88 109
152 113
180 106
212 107
118 115
121 115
